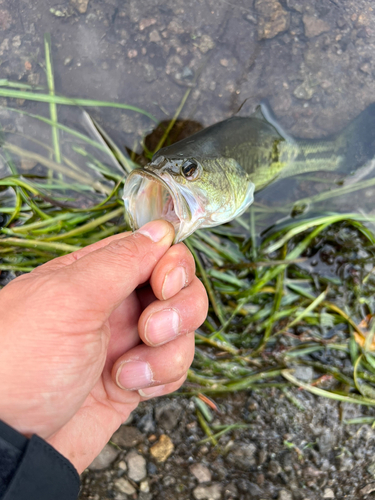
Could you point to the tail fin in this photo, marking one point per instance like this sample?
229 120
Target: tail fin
359 139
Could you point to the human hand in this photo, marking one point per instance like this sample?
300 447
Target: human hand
81 344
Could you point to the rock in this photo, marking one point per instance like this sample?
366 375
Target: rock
168 415
273 19
212 492
314 26
105 458
5 20
230 491
369 488
206 43
326 441
149 73
136 466
328 493
154 36
304 373
124 486
162 448
304 91
297 5
365 68
285 495
146 23
80 5
201 472
242 456
4 46
16 41
144 486
274 467
127 437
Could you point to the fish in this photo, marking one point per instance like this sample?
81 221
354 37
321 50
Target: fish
210 178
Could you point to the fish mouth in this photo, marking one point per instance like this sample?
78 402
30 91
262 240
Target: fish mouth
149 197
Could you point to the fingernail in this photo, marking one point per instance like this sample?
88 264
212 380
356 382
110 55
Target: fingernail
152 392
162 326
133 375
155 230
174 281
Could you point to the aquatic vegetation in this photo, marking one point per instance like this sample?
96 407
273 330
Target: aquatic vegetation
294 307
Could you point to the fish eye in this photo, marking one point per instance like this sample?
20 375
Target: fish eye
190 169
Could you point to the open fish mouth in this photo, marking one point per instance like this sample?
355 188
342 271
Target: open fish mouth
148 197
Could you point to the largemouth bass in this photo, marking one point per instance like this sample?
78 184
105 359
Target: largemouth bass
210 177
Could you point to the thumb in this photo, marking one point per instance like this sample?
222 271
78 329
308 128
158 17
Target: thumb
105 277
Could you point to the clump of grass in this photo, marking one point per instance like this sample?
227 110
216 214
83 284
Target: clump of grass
271 311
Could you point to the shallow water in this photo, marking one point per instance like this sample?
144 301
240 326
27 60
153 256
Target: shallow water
312 60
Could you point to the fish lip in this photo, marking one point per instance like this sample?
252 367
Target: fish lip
181 206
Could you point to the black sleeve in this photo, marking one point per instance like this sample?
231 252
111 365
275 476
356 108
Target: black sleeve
31 469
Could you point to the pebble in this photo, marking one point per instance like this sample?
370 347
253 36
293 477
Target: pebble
230 491
149 73
201 472
80 5
144 486
5 20
105 458
206 43
136 466
304 373
127 437
369 488
168 415
328 493
162 448
16 41
314 26
242 456
273 18
212 492
365 68
154 36
124 486
326 441
285 495
304 91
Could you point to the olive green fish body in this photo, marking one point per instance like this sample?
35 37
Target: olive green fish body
210 177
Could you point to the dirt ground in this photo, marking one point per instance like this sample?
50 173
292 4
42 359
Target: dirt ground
314 62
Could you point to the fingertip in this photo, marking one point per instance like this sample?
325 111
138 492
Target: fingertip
158 231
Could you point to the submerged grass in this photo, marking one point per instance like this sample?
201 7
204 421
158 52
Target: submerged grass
276 307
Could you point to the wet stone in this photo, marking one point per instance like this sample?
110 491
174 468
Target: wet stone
168 415
105 458
201 472
136 466
304 373
162 449
212 492
5 20
206 43
127 436
242 456
149 73
369 488
80 5
124 486
314 26
230 491
273 19
285 495
326 441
